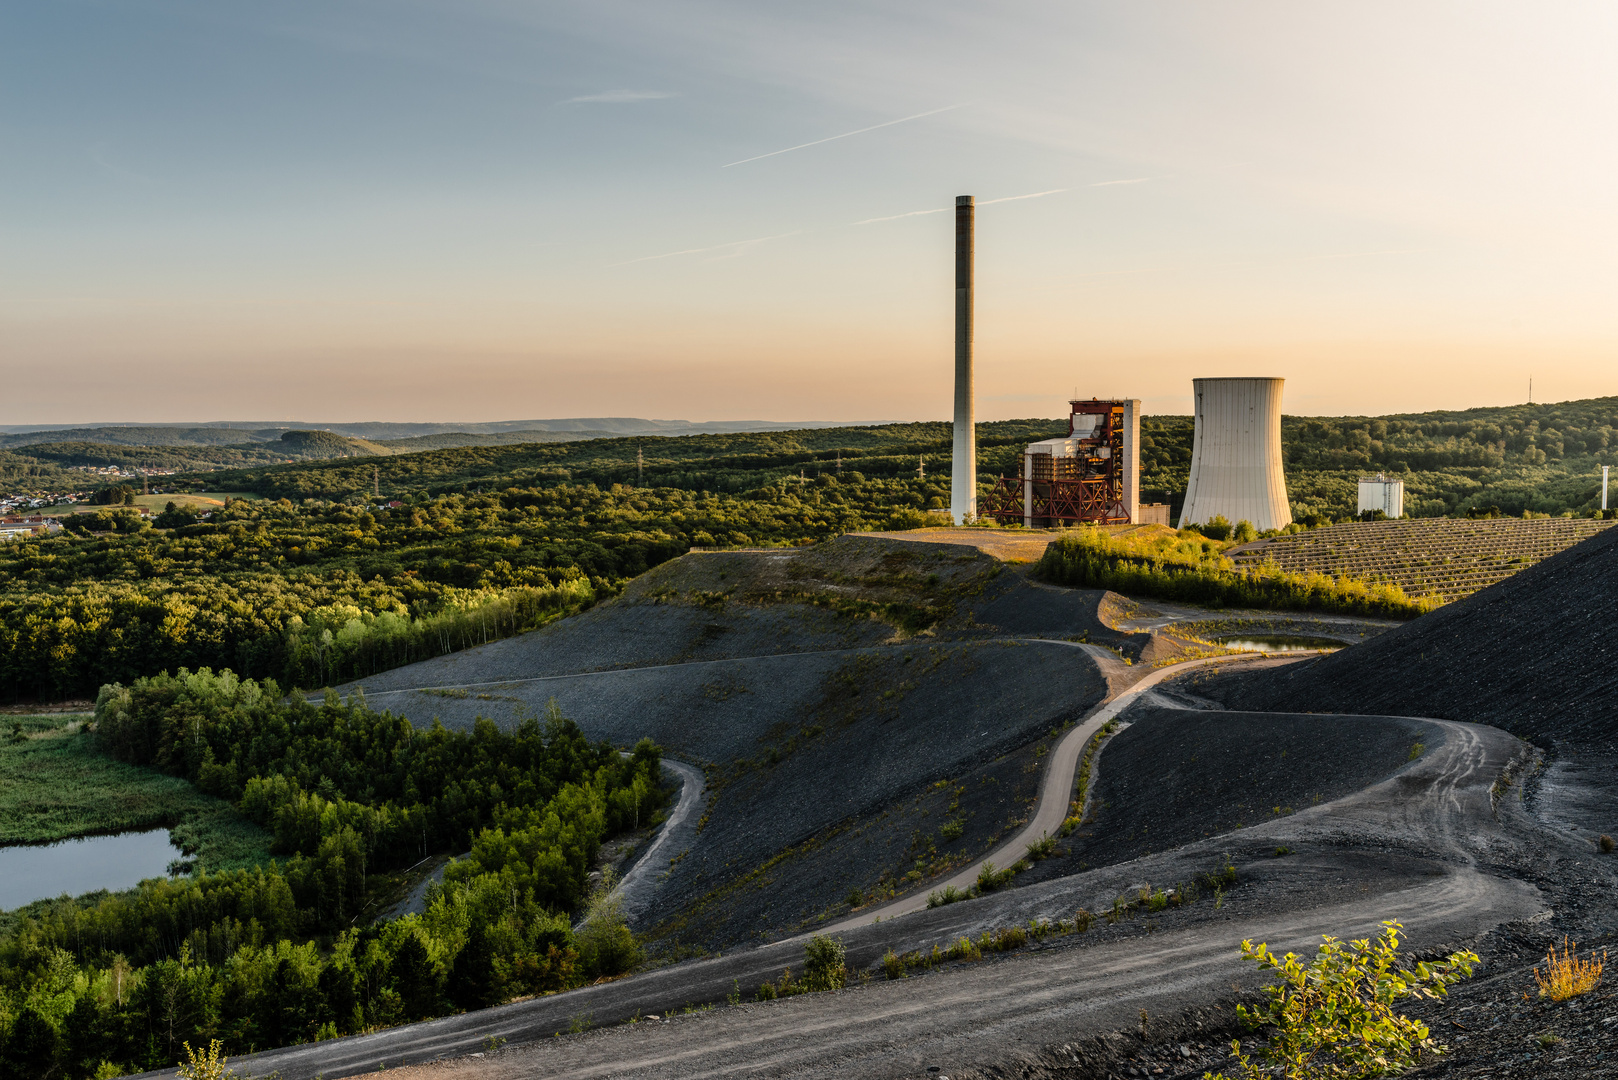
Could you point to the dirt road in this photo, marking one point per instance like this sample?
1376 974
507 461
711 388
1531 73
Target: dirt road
1411 847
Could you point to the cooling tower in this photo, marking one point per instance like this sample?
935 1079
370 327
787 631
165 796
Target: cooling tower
1236 454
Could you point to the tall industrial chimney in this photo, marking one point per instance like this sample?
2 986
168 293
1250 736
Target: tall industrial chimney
963 487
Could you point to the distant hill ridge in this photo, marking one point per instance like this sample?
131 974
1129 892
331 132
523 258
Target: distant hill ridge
235 432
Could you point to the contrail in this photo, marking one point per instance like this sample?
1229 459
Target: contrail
700 250
1110 183
896 217
1030 195
1362 254
844 135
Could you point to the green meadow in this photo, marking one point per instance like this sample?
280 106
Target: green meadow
55 784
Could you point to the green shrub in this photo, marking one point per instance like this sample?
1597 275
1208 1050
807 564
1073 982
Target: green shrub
1011 937
949 894
990 879
1178 567
825 964
1335 1018
1082 921
952 830
1043 848
605 944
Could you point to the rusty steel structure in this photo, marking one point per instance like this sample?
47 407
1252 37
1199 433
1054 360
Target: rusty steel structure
1085 477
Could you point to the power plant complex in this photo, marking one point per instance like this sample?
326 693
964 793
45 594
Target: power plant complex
1092 474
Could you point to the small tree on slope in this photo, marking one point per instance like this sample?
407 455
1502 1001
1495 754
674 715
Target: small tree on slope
1335 1018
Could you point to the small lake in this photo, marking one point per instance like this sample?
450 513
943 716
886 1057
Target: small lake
41 871
1281 643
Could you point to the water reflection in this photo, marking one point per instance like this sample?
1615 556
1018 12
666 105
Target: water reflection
38 872
1281 643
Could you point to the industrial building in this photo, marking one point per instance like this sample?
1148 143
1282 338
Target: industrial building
1382 493
1236 468
1090 475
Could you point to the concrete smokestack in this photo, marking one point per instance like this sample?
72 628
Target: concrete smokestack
963 487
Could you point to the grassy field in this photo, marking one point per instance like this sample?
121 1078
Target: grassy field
55 784
201 500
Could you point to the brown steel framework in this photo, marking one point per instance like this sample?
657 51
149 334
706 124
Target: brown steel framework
1087 488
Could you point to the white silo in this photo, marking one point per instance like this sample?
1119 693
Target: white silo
1236 454
1382 493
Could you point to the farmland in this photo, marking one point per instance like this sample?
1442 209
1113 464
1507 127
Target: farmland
1435 558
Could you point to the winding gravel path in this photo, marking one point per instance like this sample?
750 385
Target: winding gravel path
638 889
1407 848
1055 793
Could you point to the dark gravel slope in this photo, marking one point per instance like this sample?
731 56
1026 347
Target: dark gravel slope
1174 776
804 748
1536 655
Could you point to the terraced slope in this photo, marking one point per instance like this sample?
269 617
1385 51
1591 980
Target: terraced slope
1536 654
847 702
1436 557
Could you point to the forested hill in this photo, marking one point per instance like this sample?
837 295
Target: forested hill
718 463
1540 458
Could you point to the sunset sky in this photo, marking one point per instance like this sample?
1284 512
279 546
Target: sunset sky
717 209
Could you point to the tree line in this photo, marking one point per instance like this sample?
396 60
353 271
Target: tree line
272 956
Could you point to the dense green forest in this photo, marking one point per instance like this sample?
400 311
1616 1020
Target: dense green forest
316 586
1540 458
270 956
321 593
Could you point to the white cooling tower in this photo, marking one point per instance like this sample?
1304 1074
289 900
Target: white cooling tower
1236 454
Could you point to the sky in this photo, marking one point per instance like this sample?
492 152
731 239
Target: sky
471 210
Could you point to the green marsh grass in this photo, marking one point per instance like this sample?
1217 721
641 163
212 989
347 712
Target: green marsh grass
55 784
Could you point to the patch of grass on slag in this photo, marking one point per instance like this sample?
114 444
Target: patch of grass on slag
55 784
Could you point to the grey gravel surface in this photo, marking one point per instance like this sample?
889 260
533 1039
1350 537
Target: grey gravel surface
1174 776
800 745
1420 846
825 738
643 876
1430 845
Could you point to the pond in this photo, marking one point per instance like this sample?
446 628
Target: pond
30 872
1280 643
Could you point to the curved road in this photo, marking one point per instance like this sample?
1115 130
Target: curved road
639 886
1055 794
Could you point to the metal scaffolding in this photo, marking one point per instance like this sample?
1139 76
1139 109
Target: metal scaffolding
1084 483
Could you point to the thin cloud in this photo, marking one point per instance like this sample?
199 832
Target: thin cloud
896 217
738 245
1363 254
844 135
1030 195
619 97
1115 183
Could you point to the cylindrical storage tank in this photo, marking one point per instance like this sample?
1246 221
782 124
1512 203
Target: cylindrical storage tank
1236 454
